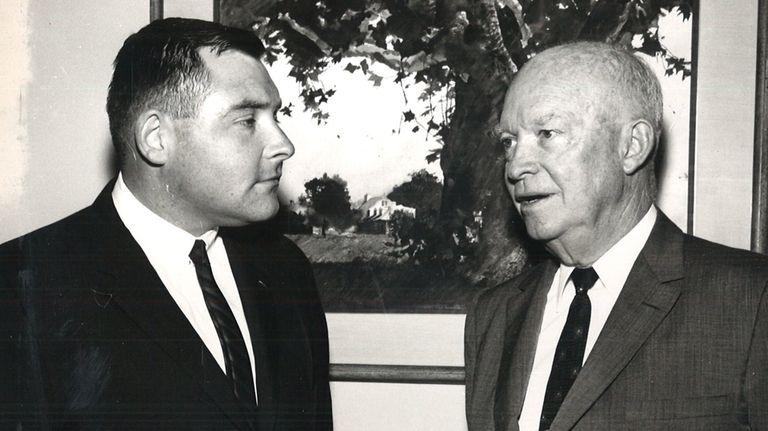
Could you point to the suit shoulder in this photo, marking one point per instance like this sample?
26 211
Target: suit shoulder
287 252
716 270
62 236
68 228
49 256
703 253
499 293
261 241
290 247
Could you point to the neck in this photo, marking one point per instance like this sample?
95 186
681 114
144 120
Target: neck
158 197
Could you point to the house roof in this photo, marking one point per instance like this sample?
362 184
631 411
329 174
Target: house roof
370 203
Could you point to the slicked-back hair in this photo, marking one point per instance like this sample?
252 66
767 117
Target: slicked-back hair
160 67
633 85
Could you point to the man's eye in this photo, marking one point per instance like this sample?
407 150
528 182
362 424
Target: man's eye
507 142
247 122
546 133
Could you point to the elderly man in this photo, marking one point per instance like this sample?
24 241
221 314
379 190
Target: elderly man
157 307
632 324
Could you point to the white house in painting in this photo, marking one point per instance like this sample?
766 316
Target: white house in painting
381 208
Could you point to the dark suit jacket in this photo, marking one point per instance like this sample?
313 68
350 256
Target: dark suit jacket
685 347
96 341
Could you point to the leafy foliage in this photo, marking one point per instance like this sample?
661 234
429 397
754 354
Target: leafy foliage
415 237
289 222
328 200
422 192
440 42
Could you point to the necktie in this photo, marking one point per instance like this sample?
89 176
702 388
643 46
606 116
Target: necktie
236 360
569 353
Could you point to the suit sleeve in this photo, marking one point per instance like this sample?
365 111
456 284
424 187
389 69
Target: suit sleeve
10 339
470 350
756 379
473 332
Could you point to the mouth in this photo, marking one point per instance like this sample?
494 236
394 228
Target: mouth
271 181
531 199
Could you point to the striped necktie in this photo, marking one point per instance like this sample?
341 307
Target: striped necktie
236 360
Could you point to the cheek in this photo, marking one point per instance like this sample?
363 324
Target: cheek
233 159
602 188
579 178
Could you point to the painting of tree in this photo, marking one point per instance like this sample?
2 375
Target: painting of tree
464 52
422 191
328 201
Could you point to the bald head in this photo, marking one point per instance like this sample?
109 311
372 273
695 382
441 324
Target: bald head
607 74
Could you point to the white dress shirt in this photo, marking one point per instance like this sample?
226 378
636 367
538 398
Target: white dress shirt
612 268
167 247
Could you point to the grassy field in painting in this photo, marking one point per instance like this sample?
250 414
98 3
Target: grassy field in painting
358 273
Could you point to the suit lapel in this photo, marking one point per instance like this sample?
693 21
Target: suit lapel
647 297
272 296
258 306
129 281
520 345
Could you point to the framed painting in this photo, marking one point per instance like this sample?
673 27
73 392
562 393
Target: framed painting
396 191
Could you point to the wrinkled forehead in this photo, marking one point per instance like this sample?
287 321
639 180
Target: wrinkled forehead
535 97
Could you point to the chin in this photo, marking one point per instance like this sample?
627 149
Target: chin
254 213
265 211
540 232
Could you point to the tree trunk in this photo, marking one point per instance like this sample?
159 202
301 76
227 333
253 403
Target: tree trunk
473 168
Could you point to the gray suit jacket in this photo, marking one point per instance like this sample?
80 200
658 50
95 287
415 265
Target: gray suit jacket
685 347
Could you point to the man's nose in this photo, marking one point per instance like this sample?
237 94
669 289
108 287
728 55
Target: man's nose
280 147
521 160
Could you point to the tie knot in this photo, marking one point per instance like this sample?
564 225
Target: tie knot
583 279
198 254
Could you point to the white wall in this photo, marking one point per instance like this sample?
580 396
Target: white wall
397 407
13 75
725 121
54 131
397 339
199 9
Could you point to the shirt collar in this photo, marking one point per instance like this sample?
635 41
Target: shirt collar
614 265
154 234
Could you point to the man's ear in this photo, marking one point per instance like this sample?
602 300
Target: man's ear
638 147
154 137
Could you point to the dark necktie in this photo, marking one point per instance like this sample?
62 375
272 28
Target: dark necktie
236 360
569 354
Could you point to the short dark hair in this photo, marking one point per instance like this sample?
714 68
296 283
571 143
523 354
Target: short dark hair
160 67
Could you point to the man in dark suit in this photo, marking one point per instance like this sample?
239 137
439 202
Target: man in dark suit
630 324
158 307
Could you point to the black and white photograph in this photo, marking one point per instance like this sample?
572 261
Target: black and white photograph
416 215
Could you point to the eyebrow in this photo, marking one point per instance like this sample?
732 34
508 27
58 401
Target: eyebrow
542 119
248 104
251 104
497 131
